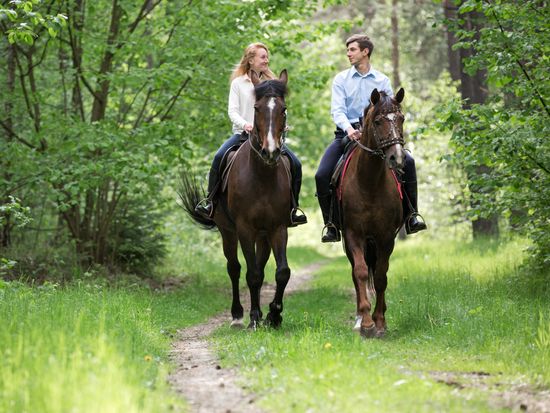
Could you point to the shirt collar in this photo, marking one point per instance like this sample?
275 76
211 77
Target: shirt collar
354 72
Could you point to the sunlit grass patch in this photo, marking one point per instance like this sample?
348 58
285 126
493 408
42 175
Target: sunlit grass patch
89 348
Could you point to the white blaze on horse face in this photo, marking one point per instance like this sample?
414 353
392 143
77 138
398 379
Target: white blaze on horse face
270 139
391 117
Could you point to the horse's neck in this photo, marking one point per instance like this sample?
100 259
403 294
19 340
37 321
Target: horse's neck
370 165
259 167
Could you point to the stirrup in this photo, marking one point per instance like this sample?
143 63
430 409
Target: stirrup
324 233
420 222
205 207
294 223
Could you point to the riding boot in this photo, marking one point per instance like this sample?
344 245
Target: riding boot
413 221
206 206
332 234
297 216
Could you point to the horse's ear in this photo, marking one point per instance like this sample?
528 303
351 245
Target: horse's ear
253 77
374 97
283 77
400 95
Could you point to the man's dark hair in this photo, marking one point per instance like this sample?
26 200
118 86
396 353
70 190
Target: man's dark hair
363 41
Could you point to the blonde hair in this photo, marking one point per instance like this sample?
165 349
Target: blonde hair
243 67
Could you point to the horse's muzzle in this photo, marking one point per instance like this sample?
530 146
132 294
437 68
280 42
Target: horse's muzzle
272 157
395 159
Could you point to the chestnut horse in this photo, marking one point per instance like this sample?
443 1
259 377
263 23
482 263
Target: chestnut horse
253 209
371 206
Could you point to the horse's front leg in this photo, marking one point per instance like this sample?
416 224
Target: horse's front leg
253 279
355 248
234 270
380 284
282 274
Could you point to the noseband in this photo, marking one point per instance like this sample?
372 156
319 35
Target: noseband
393 137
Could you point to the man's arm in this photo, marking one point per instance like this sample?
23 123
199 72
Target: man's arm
338 107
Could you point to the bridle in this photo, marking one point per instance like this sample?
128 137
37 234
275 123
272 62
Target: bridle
393 137
254 137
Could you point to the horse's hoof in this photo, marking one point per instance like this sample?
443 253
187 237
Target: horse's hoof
253 325
274 321
380 333
357 325
368 332
237 323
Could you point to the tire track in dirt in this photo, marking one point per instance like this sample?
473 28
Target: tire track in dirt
199 378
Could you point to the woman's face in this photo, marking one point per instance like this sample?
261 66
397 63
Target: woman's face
260 61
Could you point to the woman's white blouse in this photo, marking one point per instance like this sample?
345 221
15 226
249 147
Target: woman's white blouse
240 107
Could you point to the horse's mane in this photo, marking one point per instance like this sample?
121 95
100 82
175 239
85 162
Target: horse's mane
270 88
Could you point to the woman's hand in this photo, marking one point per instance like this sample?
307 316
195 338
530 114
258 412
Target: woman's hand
248 127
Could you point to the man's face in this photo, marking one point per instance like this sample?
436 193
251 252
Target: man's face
355 54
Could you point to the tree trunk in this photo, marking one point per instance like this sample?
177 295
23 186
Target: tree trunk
455 66
396 81
474 91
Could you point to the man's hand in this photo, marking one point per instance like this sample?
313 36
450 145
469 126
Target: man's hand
353 133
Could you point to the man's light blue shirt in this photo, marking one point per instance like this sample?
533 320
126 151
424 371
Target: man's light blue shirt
351 94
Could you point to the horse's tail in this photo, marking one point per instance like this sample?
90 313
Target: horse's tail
191 193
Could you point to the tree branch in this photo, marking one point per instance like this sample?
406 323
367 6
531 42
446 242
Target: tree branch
522 67
15 136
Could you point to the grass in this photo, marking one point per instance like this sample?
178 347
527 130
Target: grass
89 348
453 308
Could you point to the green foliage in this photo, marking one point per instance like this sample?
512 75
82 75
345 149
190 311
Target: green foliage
136 242
101 117
509 133
21 23
15 213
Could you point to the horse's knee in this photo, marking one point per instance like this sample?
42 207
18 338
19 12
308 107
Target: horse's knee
233 268
361 273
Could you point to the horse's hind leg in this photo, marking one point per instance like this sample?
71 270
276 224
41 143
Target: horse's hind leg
234 270
282 275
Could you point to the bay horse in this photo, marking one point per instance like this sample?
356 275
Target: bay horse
253 208
371 206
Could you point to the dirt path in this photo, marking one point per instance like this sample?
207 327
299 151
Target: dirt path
198 376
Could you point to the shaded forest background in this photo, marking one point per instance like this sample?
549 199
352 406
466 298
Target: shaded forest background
104 102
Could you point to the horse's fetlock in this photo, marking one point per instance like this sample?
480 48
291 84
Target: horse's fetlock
276 307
